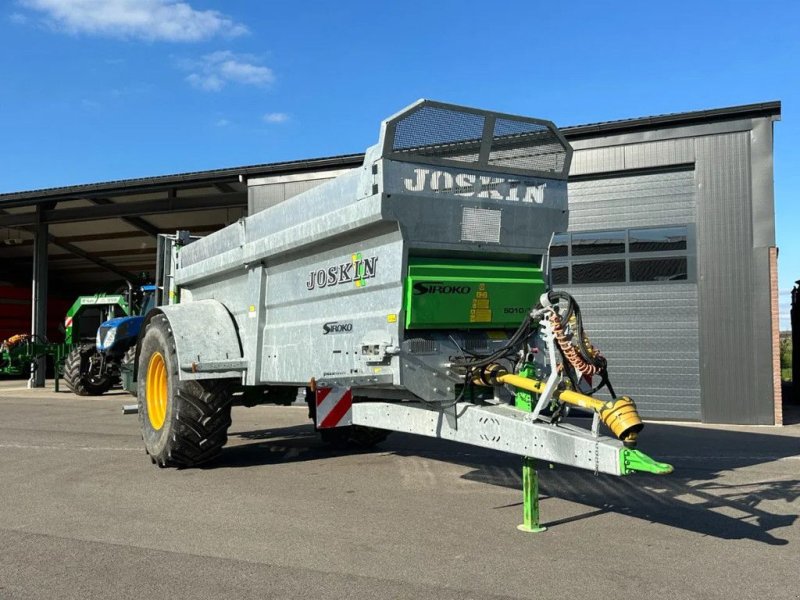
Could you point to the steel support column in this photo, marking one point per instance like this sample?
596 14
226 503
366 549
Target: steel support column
39 298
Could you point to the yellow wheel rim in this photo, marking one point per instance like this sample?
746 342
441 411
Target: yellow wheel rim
156 391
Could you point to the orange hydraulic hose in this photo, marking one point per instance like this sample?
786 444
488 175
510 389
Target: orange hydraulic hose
570 351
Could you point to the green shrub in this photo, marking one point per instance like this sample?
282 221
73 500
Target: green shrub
786 359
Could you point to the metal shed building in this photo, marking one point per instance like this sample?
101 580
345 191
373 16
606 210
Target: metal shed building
671 252
670 249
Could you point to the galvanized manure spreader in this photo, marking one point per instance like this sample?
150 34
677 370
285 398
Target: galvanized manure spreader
408 295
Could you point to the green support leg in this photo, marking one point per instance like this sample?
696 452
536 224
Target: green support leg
530 496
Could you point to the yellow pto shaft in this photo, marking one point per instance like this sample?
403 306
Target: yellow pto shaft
619 415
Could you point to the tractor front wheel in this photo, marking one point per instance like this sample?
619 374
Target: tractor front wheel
183 423
79 375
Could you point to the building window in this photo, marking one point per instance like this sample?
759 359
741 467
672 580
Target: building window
603 242
559 275
653 254
560 245
599 271
659 269
657 240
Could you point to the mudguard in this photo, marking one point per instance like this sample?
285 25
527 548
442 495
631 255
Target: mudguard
206 340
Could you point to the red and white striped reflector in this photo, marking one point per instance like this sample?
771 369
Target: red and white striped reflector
68 322
334 407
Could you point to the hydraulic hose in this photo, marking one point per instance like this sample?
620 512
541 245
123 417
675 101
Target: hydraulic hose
481 361
571 352
582 357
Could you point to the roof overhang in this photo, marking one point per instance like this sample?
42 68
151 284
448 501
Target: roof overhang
110 227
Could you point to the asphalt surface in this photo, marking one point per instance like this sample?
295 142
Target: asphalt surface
83 514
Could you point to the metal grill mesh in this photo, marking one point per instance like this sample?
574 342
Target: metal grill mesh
480 225
522 145
439 132
419 346
474 343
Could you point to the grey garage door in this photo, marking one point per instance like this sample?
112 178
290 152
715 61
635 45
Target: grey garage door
629 260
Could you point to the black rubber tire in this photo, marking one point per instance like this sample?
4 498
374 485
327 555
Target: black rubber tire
198 413
352 437
76 377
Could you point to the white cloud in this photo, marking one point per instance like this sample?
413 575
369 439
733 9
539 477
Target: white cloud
162 20
18 18
275 117
214 71
222 123
209 82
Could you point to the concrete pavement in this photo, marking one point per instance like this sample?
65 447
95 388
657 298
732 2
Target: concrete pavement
83 514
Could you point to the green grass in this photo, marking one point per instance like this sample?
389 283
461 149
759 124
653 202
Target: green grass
786 374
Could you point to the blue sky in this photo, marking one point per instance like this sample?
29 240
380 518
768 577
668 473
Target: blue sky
95 90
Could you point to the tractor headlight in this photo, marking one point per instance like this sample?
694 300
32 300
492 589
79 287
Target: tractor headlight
111 335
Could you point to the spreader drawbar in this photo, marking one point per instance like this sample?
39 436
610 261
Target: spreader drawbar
498 427
507 429
501 427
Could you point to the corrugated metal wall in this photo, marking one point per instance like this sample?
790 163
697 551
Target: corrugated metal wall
632 201
260 197
649 335
700 349
649 331
735 310
269 191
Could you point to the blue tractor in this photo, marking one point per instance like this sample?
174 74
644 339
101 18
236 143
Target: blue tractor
91 369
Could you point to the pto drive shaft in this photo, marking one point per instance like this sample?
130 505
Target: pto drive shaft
619 415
